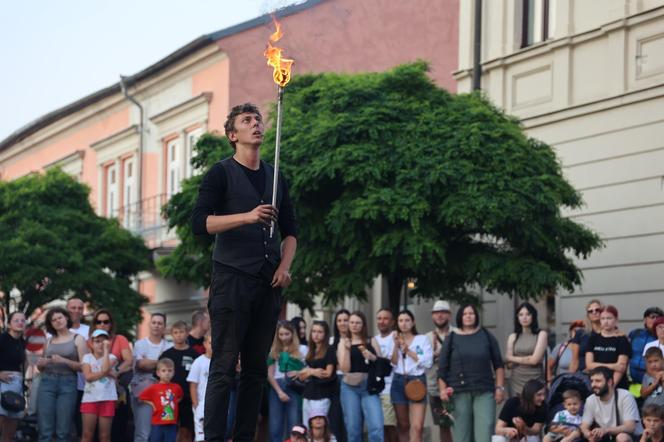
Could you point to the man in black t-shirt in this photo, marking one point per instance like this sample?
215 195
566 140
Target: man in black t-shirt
250 267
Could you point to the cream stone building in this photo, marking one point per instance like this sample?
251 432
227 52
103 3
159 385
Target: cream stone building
586 77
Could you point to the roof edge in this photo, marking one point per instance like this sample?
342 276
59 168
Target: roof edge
200 42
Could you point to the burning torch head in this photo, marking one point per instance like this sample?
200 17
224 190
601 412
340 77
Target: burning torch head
282 66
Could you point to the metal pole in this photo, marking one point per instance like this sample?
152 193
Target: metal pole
139 157
477 51
277 147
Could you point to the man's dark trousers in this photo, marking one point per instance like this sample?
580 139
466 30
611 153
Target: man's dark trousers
243 313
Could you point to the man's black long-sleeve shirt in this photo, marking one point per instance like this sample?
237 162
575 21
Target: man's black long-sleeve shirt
213 187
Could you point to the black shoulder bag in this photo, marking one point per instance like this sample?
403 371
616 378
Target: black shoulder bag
378 371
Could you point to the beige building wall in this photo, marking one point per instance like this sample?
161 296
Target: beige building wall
595 93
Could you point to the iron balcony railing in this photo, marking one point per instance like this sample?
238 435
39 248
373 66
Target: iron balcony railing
144 218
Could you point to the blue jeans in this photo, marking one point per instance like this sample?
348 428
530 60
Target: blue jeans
232 410
142 419
163 433
357 404
290 411
56 402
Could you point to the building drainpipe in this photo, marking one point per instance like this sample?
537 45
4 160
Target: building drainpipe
139 165
477 52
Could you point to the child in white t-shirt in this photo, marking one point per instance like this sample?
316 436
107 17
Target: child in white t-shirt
197 378
565 424
100 394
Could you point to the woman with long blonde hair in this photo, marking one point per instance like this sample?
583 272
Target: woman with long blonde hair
579 344
285 361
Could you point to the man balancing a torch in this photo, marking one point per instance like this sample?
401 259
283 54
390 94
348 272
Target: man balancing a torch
249 269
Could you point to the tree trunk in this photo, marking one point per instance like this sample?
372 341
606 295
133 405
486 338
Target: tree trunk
394 288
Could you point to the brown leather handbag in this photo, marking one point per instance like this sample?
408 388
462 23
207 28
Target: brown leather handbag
414 389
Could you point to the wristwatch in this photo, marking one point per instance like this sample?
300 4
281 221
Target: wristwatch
501 388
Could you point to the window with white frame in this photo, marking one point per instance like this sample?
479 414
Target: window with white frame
112 196
538 21
190 153
173 163
129 193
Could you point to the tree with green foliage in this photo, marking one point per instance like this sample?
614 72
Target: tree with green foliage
392 175
53 245
190 261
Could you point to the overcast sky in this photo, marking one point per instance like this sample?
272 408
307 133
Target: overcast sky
54 52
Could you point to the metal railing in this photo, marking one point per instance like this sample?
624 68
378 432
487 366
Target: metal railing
144 219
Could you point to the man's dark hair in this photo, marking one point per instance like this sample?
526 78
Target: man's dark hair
49 319
603 371
163 316
229 125
385 309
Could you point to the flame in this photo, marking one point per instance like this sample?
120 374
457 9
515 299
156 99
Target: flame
282 66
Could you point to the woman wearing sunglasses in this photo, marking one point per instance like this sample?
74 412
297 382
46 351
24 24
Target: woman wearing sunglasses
579 345
120 348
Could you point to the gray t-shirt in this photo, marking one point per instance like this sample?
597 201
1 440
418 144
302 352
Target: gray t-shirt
467 362
604 413
564 360
657 396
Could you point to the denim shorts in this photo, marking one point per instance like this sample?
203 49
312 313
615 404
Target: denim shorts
398 390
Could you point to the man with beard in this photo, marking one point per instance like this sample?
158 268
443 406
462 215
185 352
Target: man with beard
385 339
440 314
610 414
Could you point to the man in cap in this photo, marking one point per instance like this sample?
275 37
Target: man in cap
639 338
440 315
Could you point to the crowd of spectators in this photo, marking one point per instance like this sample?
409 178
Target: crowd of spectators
340 383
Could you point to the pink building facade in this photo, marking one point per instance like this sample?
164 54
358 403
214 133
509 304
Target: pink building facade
131 143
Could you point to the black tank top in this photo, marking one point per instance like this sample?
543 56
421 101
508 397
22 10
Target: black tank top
357 362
